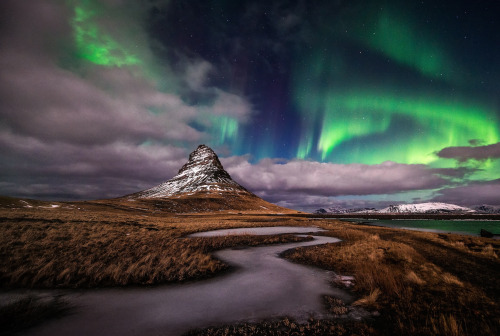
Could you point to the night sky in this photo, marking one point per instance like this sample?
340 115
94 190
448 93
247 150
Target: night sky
308 103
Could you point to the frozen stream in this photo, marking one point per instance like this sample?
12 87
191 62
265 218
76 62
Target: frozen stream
262 286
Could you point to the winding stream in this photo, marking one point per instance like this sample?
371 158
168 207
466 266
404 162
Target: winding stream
262 286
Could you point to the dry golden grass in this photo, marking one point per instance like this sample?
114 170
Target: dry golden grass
489 251
370 300
102 247
422 283
413 277
450 279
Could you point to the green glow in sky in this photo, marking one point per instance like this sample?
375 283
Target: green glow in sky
224 129
435 125
360 127
93 43
408 46
395 36
349 115
305 147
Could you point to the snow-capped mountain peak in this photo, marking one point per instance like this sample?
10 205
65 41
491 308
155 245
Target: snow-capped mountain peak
202 158
419 208
429 207
202 173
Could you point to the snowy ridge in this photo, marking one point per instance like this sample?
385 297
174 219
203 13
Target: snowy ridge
418 208
430 207
203 172
339 210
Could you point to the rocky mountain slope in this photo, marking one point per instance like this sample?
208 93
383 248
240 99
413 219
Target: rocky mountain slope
202 173
201 185
487 209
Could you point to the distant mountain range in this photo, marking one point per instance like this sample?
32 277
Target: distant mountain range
488 209
418 208
428 208
340 210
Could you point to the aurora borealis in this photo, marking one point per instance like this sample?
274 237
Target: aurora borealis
308 103
92 43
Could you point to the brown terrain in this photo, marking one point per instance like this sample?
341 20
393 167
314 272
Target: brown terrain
416 283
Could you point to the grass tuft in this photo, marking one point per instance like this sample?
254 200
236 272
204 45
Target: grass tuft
489 251
414 278
369 301
451 279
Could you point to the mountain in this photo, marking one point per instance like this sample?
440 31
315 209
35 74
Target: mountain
419 208
202 173
487 209
339 210
201 185
427 208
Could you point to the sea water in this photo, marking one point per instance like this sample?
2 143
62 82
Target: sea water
470 227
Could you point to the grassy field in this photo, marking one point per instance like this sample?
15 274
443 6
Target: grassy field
422 283
64 248
417 283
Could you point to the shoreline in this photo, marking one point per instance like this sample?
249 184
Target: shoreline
407 226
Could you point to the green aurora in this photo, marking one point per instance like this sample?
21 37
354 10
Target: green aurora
93 43
224 129
439 124
347 117
393 34
97 46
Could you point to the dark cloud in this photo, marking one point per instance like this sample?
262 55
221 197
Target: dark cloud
94 105
54 105
39 27
328 179
475 193
88 132
56 171
308 185
465 153
457 173
311 203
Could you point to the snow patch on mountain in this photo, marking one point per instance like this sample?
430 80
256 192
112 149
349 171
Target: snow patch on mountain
202 173
339 210
429 207
420 208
